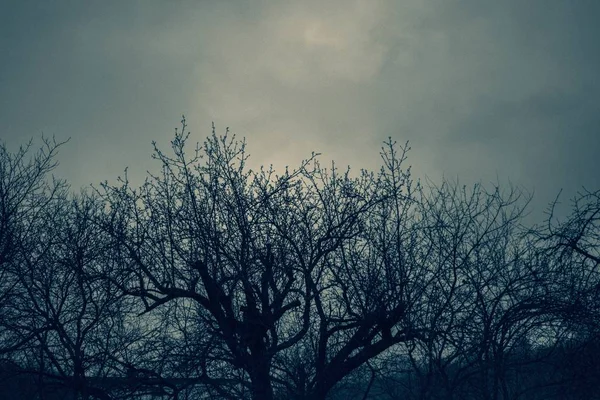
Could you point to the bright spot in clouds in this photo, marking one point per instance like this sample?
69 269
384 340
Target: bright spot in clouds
504 89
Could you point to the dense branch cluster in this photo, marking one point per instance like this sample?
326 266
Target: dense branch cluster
211 280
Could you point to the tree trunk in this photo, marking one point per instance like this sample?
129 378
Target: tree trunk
260 380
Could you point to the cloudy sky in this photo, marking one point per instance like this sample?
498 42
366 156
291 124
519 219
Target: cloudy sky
483 90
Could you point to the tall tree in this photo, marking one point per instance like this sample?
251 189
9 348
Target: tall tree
268 261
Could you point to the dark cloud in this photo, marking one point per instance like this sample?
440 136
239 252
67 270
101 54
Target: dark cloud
482 90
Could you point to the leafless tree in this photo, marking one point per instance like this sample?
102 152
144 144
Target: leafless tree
483 293
575 242
574 245
271 264
26 189
363 292
214 280
63 290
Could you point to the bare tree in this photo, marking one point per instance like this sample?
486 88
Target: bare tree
271 264
482 295
575 243
26 189
63 290
217 281
363 292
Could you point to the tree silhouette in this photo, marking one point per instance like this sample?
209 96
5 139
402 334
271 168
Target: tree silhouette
269 262
213 280
25 193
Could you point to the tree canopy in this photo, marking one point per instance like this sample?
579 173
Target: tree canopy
213 280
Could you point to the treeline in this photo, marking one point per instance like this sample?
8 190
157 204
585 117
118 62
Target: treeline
211 280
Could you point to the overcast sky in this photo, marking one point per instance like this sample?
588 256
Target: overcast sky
481 89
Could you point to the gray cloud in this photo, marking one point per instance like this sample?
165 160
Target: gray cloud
481 89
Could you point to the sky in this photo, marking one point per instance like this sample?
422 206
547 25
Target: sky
484 91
